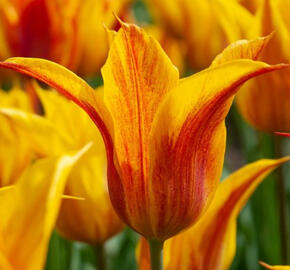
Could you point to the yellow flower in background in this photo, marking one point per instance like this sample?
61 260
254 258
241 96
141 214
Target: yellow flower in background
15 154
65 127
173 47
265 102
211 243
206 26
276 267
69 32
164 137
29 210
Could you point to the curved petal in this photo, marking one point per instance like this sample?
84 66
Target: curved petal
211 243
137 75
69 85
276 267
27 221
188 143
242 49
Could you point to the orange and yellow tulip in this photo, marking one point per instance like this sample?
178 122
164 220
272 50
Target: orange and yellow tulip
265 102
165 137
210 244
222 21
69 32
29 210
276 267
92 219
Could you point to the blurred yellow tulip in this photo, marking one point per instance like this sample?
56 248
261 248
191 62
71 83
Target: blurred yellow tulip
211 243
205 26
15 155
65 127
265 102
69 32
29 210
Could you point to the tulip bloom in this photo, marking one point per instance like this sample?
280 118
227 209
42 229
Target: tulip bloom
210 244
223 22
165 137
29 210
265 102
276 267
91 220
67 32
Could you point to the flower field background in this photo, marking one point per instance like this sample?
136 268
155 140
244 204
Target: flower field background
259 234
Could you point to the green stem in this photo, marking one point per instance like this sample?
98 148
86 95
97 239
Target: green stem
282 198
156 257
101 257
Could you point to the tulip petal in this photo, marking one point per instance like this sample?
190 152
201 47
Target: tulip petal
137 75
193 115
211 243
69 85
242 49
276 267
29 210
35 129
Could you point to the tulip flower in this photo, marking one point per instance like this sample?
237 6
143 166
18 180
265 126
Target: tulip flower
165 137
210 244
222 22
68 32
277 267
29 210
265 102
91 220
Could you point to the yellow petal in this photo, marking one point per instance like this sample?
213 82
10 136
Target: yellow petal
14 154
35 130
93 219
276 267
211 243
242 49
29 211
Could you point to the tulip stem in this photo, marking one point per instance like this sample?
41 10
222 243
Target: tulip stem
281 193
101 257
156 257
